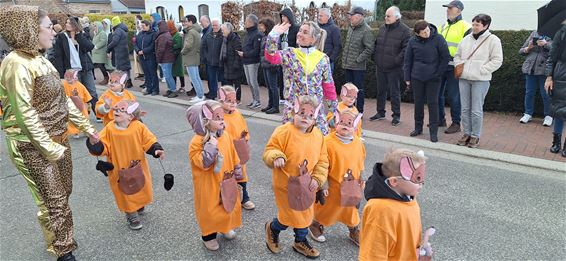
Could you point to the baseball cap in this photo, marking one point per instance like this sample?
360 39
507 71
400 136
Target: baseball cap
455 3
357 10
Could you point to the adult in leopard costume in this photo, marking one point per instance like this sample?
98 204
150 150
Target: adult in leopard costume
36 112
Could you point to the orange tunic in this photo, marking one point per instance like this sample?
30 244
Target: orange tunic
391 230
341 106
121 147
341 157
211 216
85 97
235 124
106 118
294 146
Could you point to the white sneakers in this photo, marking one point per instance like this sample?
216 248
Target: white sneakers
230 235
547 121
196 99
526 118
248 205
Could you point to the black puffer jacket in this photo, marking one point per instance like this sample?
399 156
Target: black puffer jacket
426 59
390 45
333 43
210 48
118 46
232 62
556 67
252 45
61 58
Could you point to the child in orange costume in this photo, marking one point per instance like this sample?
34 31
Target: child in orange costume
74 88
236 126
289 145
113 95
122 141
212 153
391 222
348 96
346 152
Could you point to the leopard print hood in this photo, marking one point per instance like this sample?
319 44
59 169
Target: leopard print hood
19 26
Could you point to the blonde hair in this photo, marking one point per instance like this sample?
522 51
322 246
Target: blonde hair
350 86
228 89
315 31
306 99
212 105
392 161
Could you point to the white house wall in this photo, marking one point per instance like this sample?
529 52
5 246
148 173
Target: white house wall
505 14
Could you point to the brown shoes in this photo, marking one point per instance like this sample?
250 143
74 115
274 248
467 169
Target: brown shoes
355 235
271 239
454 127
316 231
474 142
306 249
464 140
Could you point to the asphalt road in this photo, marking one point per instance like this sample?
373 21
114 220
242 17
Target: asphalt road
483 210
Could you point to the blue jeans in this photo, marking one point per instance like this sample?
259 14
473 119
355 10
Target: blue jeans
451 85
87 79
532 83
167 70
149 67
558 126
300 233
215 74
245 195
271 78
195 80
357 78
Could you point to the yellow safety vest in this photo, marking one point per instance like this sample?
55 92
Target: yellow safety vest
453 34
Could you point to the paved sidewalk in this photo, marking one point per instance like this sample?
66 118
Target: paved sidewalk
502 132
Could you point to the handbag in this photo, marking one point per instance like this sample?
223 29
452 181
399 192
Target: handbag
299 195
350 190
242 148
229 191
459 69
131 180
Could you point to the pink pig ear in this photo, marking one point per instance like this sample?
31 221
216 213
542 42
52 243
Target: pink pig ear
207 112
317 110
406 167
358 119
123 78
343 91
296 105
133 108
75 74
337 117
222 94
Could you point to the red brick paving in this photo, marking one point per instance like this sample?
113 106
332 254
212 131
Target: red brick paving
502 132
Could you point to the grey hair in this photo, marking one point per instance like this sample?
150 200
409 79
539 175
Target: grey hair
325 11
215 20
396 11
206 17
253 18
314 30
229 26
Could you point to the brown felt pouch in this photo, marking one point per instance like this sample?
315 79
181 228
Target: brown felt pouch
131 180
298 194
350 191
229 192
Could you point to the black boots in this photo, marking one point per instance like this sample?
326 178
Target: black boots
556 139
555 148
67 257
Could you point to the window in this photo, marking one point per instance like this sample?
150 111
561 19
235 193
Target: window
324 5
312 5
161 12
181 13
94 11
202 10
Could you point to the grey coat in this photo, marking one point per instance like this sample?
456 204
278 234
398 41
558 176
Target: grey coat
536 58
358 47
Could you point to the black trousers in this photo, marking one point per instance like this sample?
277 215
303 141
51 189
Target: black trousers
389 83
428 90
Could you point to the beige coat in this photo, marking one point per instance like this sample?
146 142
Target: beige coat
486 60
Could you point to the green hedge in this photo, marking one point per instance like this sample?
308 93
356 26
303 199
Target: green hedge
507 90
127 19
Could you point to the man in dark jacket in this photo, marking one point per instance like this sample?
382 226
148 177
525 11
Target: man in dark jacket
145 48
388 57
206 28
71 50
333 44
250 57
555 84
118 46
358 47
210 53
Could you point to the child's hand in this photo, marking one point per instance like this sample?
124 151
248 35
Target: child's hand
314 185
213 140
363 184
279 163
160 154
93 138
107 102
325 192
